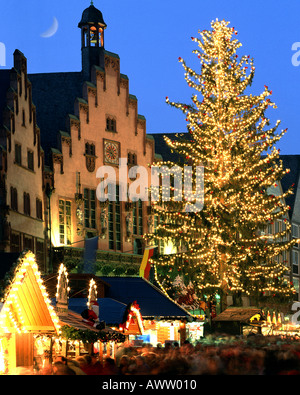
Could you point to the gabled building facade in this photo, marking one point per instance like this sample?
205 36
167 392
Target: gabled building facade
86 120
22 163
292 162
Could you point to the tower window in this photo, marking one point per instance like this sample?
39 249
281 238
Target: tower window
95 39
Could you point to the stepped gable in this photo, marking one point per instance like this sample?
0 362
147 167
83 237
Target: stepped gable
291 162
4 84
13 83
54 93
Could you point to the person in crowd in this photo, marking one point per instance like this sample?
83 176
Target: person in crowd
213 355
60 369
110 367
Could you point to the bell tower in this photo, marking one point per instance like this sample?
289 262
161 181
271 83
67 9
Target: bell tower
92 28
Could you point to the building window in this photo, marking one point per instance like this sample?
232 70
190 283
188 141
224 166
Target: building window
295 261
138 247
15 242
23 118
295 233
13 199
28 243
90 208
90 158
18 154
285 258
137 218
296 286
277 226
132 158
27 210
65 223
30 160
114 223
39 209
40 251
270 229
90 149
111 125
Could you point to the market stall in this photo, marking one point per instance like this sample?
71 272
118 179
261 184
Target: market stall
239 321
26 314
82 329
164 320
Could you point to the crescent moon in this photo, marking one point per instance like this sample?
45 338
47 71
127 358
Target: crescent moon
53 29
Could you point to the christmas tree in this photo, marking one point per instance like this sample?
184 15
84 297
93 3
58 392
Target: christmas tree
226 248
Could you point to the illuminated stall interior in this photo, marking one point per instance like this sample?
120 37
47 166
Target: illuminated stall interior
239 321
26 314
84 315
164 320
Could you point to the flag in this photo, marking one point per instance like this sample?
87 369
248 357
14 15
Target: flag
146 264
89 258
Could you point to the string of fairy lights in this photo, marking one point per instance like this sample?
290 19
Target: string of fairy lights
225 247
11 314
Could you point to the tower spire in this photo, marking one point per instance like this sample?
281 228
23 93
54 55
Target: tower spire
92 28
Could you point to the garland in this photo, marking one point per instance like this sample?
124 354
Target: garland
88 336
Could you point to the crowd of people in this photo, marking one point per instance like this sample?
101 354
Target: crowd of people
222 355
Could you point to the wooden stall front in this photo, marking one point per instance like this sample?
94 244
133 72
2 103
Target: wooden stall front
26 312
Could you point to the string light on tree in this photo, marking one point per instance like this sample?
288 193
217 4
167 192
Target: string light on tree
226 249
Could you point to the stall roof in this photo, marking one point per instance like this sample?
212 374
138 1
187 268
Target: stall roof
111 311
239 314
26 305
152 301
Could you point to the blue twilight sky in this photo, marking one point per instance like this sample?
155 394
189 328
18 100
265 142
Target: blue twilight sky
150 35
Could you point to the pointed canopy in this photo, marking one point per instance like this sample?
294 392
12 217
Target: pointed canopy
27 308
